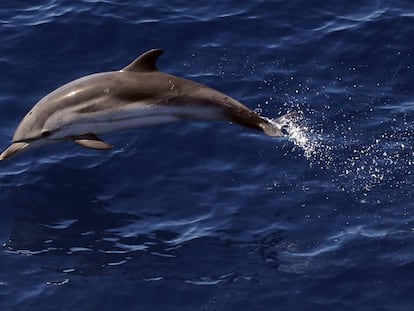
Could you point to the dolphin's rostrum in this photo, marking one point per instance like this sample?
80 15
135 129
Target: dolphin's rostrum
138 95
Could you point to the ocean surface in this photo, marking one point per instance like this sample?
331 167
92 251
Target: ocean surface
211 215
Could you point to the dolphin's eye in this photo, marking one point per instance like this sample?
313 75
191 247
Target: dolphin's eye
46 133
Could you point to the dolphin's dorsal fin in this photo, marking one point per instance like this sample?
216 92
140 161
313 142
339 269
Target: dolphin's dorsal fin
91 141
145 62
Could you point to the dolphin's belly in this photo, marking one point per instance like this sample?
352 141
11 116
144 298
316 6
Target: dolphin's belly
137 116
130 123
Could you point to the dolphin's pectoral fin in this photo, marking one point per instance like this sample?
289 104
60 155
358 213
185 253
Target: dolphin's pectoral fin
91 141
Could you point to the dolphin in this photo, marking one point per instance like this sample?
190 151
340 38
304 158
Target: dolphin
138 95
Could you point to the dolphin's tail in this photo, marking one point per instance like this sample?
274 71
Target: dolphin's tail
278 127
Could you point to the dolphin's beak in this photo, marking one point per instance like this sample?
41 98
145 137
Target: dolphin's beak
13 149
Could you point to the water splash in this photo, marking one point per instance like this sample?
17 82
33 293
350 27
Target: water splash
311 140
384 160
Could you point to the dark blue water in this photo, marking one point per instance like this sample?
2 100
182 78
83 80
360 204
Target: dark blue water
212 216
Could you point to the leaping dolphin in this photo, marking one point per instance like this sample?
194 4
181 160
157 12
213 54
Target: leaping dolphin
136 96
